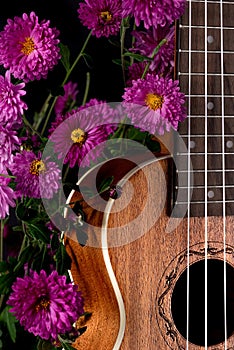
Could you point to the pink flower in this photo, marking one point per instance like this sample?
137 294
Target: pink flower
35 178
7 195
45 305
64 103
154 12
147 41
9 142
80 138
155 104
11 106
103 17
29 48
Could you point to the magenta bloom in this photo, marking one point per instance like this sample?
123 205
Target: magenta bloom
45 305
102 112
11 106
7 195
147 41
29 48
9 142
155 104
64 103
135 71
103 17
80 138
152 12
35 178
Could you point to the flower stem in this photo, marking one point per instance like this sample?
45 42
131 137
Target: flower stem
65 80
162 42
124 27
77 58
86 88
8 176
1 239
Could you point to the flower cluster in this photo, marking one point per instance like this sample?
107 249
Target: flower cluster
40 151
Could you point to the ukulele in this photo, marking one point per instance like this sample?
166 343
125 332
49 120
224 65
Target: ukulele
158 269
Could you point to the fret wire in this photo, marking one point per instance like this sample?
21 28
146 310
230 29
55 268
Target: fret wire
204 171
203 27
202 51
202 153
215 136
212 2
209 74
202 187
212 116
203 202
212 96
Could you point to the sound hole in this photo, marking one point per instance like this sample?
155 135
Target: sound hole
215 302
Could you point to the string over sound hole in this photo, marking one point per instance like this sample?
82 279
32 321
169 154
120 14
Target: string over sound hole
215 302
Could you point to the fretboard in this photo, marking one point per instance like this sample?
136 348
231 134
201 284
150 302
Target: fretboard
205 69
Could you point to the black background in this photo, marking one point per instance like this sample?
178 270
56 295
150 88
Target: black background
106 77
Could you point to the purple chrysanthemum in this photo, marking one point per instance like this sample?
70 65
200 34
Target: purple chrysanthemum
147 41
9 142
7 195
45 305
35 178
29 48
154 12
11 105
64 103
135 71
155 104
80 138
103 17
101 112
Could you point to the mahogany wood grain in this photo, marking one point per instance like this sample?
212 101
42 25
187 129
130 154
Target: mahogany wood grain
141 268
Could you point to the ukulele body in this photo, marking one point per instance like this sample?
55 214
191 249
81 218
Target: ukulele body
150 267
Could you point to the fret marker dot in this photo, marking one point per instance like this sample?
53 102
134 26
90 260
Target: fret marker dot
229 144
210 194
210 39
192 144
210 105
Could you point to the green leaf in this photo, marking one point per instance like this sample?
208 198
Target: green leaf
39 232
6 281
26 214
119 62
65 56
10 320
88 60
152 144
65 344
44 345
105 184
54 243
25 256
3 266
63 260
138 57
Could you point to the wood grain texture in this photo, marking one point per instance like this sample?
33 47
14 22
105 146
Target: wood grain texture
142 268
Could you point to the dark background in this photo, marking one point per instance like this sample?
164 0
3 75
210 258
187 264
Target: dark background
106 77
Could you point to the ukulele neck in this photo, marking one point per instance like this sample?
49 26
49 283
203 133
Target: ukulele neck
205 69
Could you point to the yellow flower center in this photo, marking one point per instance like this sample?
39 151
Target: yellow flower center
106 16
36 167
78 136
27 46
154 101
42 304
